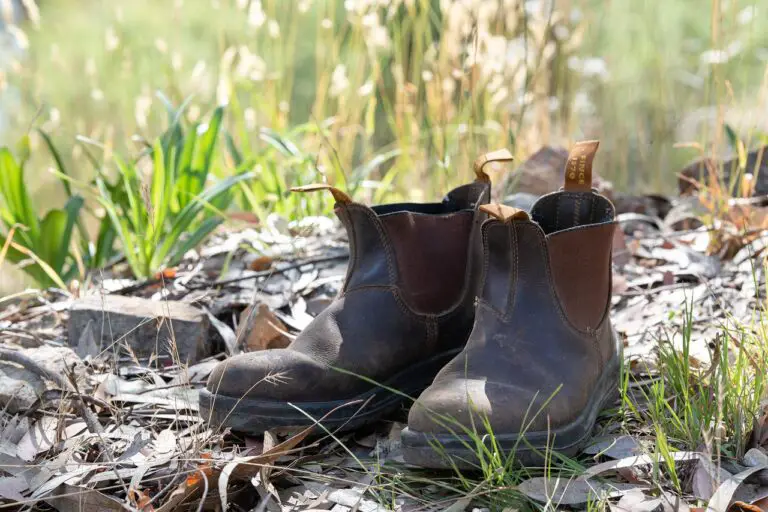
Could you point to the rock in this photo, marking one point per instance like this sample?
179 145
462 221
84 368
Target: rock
542 173
19 388
262 329
755 457
699 171
654 205
146 327
54 359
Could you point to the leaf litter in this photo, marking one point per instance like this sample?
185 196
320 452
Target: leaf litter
151 451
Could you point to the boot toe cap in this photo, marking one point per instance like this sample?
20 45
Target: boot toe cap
270 375
456 405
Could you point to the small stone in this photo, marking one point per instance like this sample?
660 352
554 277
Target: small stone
148 328
542 173
755 457
56 360
19 388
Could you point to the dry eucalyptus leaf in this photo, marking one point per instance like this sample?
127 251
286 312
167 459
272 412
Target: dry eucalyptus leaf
11 487
262 329
68 498
706 478
721 499
39 438
616 447
574 491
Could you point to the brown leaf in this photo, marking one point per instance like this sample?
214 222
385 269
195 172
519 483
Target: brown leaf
68 498
263 330
740 506
255 462
261 264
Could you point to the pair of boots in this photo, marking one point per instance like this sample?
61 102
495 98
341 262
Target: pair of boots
498 317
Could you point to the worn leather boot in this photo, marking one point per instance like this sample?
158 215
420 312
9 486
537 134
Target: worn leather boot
542 358
404 311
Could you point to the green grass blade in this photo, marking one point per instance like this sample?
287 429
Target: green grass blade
188 215
162 185
56 158
14 191
182 194
193 240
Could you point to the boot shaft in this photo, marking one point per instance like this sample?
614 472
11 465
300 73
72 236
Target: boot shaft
558 259
426 250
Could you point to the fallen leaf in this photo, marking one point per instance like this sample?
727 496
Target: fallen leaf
255 462
574 491
262 329
615 447
722 497
68 498
227 335
39 438
260 264
740 506
640 460
11 487
168 273
706 478
459 505
86 345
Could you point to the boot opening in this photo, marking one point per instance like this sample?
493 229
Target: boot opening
565 210
466 197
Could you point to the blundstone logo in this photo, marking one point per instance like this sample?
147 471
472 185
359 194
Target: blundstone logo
577 168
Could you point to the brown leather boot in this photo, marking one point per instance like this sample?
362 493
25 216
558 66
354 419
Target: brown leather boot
542 359
405 309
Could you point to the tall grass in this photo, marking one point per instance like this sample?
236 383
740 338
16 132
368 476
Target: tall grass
438 80
392 100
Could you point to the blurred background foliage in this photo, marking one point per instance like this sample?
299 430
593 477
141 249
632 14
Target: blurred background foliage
389 99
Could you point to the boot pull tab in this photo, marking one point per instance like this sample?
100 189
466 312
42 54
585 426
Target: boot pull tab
504 213
339 195
578 168
500 155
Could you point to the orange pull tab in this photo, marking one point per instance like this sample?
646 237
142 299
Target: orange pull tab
504 213
339 195
578 169
500 155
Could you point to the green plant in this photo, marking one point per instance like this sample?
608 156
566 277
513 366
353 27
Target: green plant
41 246
159 206
689 407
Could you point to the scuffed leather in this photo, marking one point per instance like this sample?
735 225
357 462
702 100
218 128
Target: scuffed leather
524 350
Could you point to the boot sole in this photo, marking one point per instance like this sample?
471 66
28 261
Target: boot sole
257 416
529 449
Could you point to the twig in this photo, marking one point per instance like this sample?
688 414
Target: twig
58 394
270 272
95 427
205 491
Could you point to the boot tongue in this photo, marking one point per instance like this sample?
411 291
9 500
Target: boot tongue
578 168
